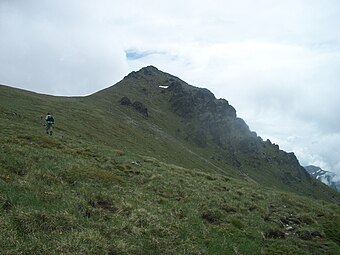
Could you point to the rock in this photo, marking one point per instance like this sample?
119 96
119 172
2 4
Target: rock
289 228
150 70
135 162
125 101
200 139
212 217
133 75
305 235
275 234
139 107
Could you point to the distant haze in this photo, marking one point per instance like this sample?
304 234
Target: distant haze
276 62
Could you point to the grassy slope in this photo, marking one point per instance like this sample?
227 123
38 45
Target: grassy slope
91 189
163 135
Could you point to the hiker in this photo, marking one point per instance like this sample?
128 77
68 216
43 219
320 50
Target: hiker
49 123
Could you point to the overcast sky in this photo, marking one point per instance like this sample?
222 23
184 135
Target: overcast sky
276 62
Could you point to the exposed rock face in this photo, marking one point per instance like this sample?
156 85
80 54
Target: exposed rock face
214 118
188 102
139 107
214 121
150 70
125 101
144 72
224 140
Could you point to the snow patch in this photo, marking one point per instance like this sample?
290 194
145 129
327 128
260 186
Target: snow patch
163 87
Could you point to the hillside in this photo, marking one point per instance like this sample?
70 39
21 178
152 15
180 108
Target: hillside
201 131
188 177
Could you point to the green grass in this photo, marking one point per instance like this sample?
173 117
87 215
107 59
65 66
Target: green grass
83 198
112 182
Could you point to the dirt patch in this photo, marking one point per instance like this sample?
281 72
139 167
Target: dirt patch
103 204
211 217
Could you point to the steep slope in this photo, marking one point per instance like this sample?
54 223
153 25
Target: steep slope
205 131
186 126
72 196
328 178
113 181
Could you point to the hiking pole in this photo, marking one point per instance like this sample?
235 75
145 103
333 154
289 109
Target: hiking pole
41 120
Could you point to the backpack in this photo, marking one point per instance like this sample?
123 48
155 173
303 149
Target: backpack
49 119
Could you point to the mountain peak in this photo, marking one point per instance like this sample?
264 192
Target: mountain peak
189 159
200 124
147 71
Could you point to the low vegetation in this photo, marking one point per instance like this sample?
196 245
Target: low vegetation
65 196
111 181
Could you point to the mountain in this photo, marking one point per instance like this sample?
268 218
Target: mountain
152 165
206 132
328 178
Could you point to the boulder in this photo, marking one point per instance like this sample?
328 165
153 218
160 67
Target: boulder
125 101
139 107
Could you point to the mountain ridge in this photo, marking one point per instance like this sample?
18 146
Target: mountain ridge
212 126
190 122
112 180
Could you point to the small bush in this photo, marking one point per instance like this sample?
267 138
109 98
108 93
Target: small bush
275 234
212 217
305 235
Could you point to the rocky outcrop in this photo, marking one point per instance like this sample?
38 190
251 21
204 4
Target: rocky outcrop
203 121
211 118
125 101
138 106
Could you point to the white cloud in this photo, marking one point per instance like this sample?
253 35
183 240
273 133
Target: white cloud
38 52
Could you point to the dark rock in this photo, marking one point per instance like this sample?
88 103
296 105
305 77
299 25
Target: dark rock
223 108
125 101
132 75
200 138
7 205
203 95
305 235
149 70
275 234
247 145
144 91
140 108
181 101
237 163
242 126
103 204
317 234
106 205
176 87
212 217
